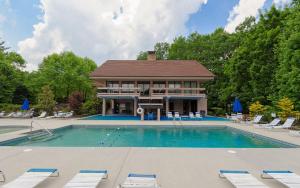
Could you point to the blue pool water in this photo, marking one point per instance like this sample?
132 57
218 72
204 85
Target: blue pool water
150 136
163 118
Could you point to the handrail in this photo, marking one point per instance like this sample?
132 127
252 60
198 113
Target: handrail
47 130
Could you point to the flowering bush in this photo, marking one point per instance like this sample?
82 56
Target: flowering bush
256 108
286 107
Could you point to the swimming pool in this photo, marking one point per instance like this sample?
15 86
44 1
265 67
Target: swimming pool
150 136
134 118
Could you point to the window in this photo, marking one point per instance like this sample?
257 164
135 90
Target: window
113 86
174 86
190 84
159 87
127 87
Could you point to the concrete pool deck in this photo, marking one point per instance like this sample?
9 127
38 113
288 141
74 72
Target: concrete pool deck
175 167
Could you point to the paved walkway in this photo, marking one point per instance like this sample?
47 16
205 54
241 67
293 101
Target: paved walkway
175 167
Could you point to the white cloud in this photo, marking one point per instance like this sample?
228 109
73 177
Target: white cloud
102 29
281 3
2 18
244 9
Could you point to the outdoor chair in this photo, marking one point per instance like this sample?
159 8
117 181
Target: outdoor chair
32 178
87 178
241 178
140 180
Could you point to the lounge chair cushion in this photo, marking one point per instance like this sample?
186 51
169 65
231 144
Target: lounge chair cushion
241 179
87 179
286 177
31 178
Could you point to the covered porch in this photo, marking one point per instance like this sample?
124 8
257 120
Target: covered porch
152 108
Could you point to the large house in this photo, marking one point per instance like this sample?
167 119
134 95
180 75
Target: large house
157 86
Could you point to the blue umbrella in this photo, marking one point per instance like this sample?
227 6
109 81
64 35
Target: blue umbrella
237 107
25 105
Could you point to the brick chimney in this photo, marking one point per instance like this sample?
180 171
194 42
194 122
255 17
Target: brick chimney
151 56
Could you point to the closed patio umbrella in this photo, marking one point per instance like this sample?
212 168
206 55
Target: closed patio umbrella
25 105
237 107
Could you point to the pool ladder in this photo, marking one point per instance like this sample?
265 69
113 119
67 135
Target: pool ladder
43 128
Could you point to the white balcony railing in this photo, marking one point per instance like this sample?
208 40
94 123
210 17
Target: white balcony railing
119 91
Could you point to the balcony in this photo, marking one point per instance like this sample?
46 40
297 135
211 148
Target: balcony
117 91
164 92
153 92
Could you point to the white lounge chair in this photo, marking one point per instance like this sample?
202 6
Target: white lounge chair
287 178
257 119
42 115
87 178
10 115
191 115
2 176
2 114
241 179
17 115
294 133
28 114
140 181
170 116
69 114
177 116
32 178
198 115
287 124
234 118
274 122
239 116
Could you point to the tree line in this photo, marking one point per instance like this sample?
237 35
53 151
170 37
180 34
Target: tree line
260 61
60 77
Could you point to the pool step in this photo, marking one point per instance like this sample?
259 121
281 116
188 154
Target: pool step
39 135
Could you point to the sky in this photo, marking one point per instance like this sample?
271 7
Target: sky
116 29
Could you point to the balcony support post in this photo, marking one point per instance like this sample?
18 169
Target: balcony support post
167 106
103 106
134 106
158 114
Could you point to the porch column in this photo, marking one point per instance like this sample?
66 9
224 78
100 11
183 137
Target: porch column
167 106
142 116
134 106
202 105
167 86
112 102
158 114
103 106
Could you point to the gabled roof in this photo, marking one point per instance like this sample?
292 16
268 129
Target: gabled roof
146 68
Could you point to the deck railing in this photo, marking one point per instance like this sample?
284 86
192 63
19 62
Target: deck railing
113 91
118 91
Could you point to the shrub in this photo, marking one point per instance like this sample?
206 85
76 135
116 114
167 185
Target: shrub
76 101
286 107
91 107
46 100
217 111
9 107
256 108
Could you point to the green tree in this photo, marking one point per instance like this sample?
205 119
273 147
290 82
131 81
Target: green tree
213 51
161 50
251 69
20 94
142 56
288 51
46 100
11 75
65 73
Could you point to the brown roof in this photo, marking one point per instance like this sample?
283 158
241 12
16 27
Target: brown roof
158 68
